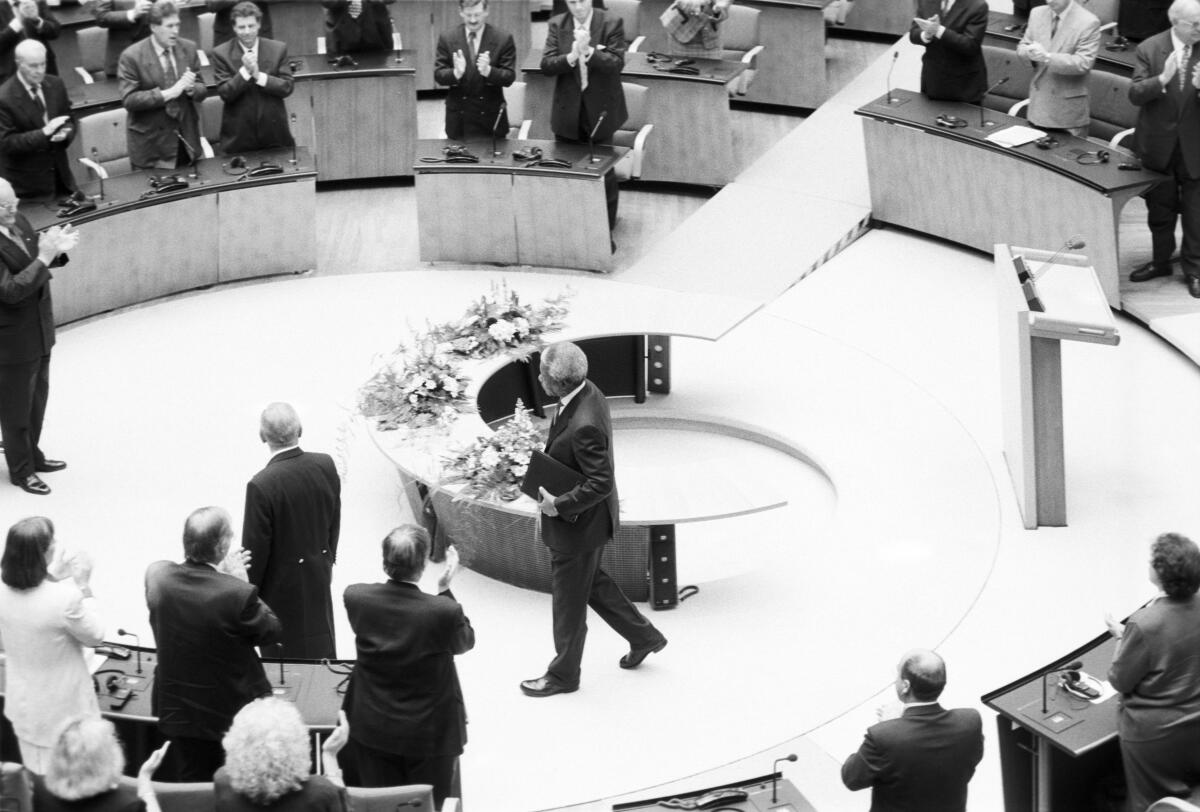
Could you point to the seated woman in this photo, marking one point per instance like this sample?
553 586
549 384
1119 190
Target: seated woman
84 772
267 762
694 27
1156 669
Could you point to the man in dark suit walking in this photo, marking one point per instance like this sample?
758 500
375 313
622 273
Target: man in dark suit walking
206 619
585 52
36 127
26 336
253 79
477 61
20 22
577 524
404 703
161 88
919 757
951 31
1167 139
292 520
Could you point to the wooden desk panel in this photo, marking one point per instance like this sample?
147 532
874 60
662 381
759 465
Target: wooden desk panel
692 140
267 230
1024 196
462 216
562 223
791 67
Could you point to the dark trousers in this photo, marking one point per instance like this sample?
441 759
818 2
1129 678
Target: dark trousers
1169 766
1167 202
375 768
189 760
24 390
577 582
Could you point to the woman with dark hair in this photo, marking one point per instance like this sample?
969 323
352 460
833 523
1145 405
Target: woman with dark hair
84 772
45 624
1156 669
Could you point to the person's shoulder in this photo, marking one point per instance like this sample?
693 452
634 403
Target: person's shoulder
225 49
966 716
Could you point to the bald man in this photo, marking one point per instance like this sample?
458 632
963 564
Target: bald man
291 526
919 757
36 127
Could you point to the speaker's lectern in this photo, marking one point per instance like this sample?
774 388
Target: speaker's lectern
1044 297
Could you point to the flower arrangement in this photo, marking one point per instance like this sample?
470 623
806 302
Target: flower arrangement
419 387
493 465
498 322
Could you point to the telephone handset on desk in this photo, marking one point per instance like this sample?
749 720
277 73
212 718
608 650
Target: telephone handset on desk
709 800
554 163
264 169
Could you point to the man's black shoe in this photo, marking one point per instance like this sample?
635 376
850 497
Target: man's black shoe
33 484
635 656
49 466
544 686
1194 286
1150 270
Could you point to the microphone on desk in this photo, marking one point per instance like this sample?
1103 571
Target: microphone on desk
495 124
396 43
1073 243
94 165
1075 666
775 773
592 136
891 67
195 173
137 641
292 119
983 124
282 679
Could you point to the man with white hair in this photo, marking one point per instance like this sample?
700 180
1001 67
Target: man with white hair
291 526
36 127
578 523
26 337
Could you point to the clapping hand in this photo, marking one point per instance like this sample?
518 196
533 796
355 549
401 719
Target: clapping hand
187 82
1170 68
235 563
929 27
1196 76
889 710
483 63
250 64
460 64
1036 52
141 7
450 571
152 763
1115 627
338 738
51 128
583 39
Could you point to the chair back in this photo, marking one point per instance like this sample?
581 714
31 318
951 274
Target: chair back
514 96
1106 10
627 10
205 23
635 105
1173 805
104 132
194 797
1003 62
1112 111
417 797
739 33
93 49
16 788
210 118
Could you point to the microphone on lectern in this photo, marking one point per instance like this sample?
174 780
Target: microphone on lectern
891 67
775 773
983 124
592 137
495 124
1075 666
1073 243
137 641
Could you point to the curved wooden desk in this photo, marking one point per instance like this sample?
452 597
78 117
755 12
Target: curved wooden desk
978 193
222 228
692 141
544 216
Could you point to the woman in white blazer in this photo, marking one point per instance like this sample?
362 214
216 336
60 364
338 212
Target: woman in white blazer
45 625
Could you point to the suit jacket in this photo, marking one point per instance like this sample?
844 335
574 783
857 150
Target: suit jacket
206 625
473 100
1058 93
1165 119
404 696
29 160
151 131
1156 668
581 439
952 68
371 31
223 19
113 15
1140 19
26 309
291 526
46 29
254 116
920 762
45 630
604 92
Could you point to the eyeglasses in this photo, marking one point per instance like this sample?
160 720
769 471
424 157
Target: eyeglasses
8 205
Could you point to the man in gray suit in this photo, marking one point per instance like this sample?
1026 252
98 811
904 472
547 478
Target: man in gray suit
1061 42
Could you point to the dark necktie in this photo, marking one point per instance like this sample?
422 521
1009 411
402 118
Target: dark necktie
1054 26
473 42
172 76
1184 64
35 93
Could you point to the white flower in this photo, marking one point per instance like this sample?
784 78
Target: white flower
490 458
501 330
522 325
519 470
430 383
413 399
451 386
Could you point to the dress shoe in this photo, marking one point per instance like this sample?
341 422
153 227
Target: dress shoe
544 686
49 466
33 484
1194 286
635 656
1151 270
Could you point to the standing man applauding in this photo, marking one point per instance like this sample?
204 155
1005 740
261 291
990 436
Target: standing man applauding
26 336
1061 41
951 32
253 79
477 61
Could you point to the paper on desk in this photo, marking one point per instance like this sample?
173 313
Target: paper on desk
1015 136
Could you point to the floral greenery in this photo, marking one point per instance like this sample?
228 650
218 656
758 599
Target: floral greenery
493 465
499 323
419 387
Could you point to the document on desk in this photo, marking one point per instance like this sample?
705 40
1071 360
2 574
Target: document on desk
1015 136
